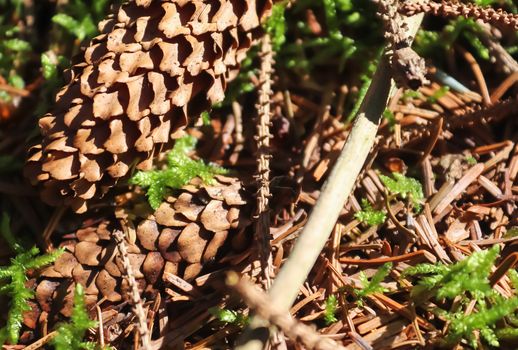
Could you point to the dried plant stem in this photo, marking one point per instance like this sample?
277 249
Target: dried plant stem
450 9
262 227
258 301
42 341
138 308
334 194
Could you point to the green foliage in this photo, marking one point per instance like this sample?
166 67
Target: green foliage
468 280
509 5
345 25
467 276
12 282
81 30
471 160
205 117
438 94
513 276
404 187
350 35
179 171
80 17
437 44
16 45
51 66
411 94
229 316
370 216
276 25
331 309
48 68
507 333
13 54
20 47
390 117
374 285
70 335
484 321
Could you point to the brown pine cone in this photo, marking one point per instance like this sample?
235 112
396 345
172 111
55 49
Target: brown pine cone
155 65
188 234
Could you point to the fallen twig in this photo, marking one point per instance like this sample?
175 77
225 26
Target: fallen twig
262 305
450 9
262 227
138 308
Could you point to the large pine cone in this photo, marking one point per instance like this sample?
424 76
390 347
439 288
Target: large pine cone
155 65
187 235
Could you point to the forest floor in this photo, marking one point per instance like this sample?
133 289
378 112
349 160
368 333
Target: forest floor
422 254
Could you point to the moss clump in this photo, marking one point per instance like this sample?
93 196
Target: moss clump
179 170
465 281
370 216
70 335
13 279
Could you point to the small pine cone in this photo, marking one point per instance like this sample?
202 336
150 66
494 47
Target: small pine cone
155 65
187 235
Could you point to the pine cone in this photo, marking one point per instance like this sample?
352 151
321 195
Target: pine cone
188 234
155 65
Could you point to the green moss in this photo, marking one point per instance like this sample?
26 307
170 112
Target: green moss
13 279
229 316
404 187
330 310
180 169
370 216
70 335
470 275
80 18
471 160
465 281
276 25
438 94
374 284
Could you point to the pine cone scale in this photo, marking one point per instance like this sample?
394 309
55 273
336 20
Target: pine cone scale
151 68
183 248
